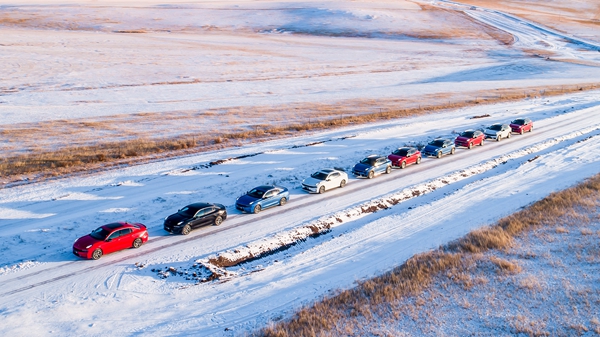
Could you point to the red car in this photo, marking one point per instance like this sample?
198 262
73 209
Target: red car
470 138
405 156
110 238
521 125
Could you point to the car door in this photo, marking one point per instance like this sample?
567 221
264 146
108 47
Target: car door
209 216
379 165
333 180
114 241
411 158
269 198
199 218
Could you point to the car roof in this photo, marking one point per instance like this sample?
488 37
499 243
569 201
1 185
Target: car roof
265 187
327 170
374 156
406 148
199 205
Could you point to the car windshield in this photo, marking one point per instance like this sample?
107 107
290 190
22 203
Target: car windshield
519 121
438 143
319 175
467 134
100 233
401 152
256 193
368 161
495 127
188 211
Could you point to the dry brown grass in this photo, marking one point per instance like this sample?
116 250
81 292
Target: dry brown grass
125 141
356 305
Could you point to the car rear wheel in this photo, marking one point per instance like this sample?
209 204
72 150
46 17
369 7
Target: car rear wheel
218 220
403 165
439 154
388 170
498 138
256 209
452 151
371 175
531 129
418 160
321 189
137 243
283 201
510 133
343 183
186 230
481 144
97 254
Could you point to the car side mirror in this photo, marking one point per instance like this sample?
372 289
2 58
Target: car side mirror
108 240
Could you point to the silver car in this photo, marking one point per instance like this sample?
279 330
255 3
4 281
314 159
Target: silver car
324 180
498 131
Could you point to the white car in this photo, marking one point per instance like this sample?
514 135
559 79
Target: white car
324 180
498 131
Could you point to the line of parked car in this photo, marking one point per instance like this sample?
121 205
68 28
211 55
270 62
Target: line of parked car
122 235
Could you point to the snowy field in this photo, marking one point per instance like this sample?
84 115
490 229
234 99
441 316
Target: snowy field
48 291
74 71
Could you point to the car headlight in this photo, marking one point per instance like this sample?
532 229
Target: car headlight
179 223
88 247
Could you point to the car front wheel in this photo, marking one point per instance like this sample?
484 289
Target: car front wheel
371 175
97 254
256 209
403 165
470 146
218 220
439 154
283 201
521 132
321 189
510 133
137 243
418 160
186 230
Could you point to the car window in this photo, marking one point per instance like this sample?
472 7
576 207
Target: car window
125 231
114 235
188 211
100 233
438 143
334 175
369 161
256 193
269 194
319 175
401 152
201 212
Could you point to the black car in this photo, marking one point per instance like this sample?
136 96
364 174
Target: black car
194 216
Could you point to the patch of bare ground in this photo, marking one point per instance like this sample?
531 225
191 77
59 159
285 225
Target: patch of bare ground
533 273
36 151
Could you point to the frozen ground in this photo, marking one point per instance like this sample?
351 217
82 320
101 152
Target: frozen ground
47 291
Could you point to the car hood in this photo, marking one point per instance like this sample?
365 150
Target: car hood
175 218
394 157
362 167
463 139
85 241
310 181
246 200
431 148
